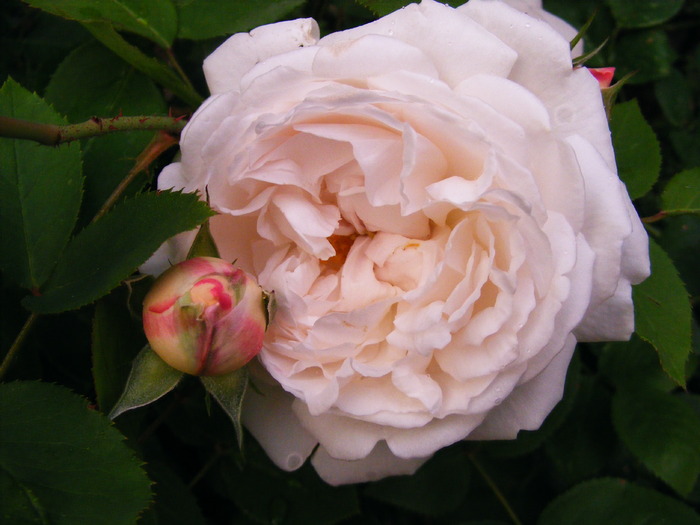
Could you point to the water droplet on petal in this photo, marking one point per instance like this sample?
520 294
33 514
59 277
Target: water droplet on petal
294 461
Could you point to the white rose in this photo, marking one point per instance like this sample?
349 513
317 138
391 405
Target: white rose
433 198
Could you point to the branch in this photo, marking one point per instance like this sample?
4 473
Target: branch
17 344
53 135
160 143
497 491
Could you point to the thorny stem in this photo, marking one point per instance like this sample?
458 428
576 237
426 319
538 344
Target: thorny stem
53 135
17 344
494 488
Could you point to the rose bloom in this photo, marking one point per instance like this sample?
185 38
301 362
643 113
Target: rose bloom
433 198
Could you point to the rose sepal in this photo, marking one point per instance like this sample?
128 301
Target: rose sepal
203 244
229 391
149 380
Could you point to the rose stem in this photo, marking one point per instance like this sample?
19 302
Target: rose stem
53 135
176 401
497 492
206 467
17 344
176 65
160 143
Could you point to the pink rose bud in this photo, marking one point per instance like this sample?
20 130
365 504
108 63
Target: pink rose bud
603 75
205 317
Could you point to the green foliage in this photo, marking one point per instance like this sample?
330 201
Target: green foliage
648 53
175 504
155 19
115 342
637 151
662 314
644 13
200 19
266 494
675 96
150 379
585 444
111 88
436 488
68 463
682 193
663 432
153 68
109 250
620 448
40 192
634 364
384 7
616 501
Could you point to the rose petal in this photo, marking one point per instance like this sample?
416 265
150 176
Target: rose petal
379 464
224 68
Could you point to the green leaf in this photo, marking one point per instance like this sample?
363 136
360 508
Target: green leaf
68 460
201 19
686 144
229 391
663 432
154 19
634 364
156 70
586 442
682 193
268 495
637 150
109 250
643 13
608 501
675 97
116 340
647 52
40 192
20 504
384 7
436 488
112 88
106 162
681 241
150 379
662 313
174 503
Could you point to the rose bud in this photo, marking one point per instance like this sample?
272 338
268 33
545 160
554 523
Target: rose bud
205 317
603 75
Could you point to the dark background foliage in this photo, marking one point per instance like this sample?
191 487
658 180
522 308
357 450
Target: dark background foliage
623 446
